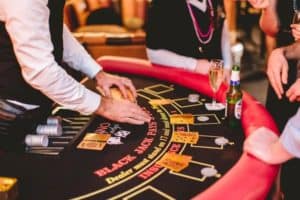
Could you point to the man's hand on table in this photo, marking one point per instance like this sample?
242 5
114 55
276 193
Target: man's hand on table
105 81
120 110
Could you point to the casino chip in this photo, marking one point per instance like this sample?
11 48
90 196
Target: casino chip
36 140
193 98
202 118
51 130
54 120
221 141
209 172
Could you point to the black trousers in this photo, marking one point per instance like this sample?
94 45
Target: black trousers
282 110
289 179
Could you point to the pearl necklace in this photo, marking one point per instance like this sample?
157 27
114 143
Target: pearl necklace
203 38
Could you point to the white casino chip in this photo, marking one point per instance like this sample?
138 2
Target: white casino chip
49 129
193 98
209 172
221 141
202 118
36 140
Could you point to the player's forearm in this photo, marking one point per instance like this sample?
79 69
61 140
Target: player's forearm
269 21
168 58
292 51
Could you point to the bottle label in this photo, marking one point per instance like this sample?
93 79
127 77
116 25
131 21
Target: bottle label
235 76
238 109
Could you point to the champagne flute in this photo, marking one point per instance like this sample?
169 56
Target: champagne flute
216 77
296 17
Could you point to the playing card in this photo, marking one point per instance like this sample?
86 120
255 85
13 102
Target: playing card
122 133
114 141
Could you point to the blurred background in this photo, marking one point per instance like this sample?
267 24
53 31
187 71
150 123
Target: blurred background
117 27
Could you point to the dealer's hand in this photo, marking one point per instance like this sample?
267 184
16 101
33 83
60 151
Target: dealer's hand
122 111
105 81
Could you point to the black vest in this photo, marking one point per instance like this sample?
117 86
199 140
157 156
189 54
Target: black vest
12 84
170 26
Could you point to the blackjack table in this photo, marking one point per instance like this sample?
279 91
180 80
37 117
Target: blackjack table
128 166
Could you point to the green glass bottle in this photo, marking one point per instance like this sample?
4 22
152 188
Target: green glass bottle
234 99
234 95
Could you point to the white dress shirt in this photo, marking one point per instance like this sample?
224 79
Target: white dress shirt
290 137
27 23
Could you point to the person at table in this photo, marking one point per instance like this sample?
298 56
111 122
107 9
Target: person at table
269 147
187 34
34 43
276 21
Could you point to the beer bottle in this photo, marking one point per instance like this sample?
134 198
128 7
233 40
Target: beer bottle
234 98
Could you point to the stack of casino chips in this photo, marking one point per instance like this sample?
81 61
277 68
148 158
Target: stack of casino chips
43 131
193 98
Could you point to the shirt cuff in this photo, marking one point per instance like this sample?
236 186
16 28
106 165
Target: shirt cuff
290 139
92 69
90 103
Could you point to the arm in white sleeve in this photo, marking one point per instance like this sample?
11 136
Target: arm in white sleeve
225 46
77 57
28 27
169 58
290 137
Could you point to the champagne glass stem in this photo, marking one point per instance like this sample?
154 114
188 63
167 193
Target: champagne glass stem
214 100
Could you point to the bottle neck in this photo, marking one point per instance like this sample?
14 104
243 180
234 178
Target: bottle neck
235 76
235 84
